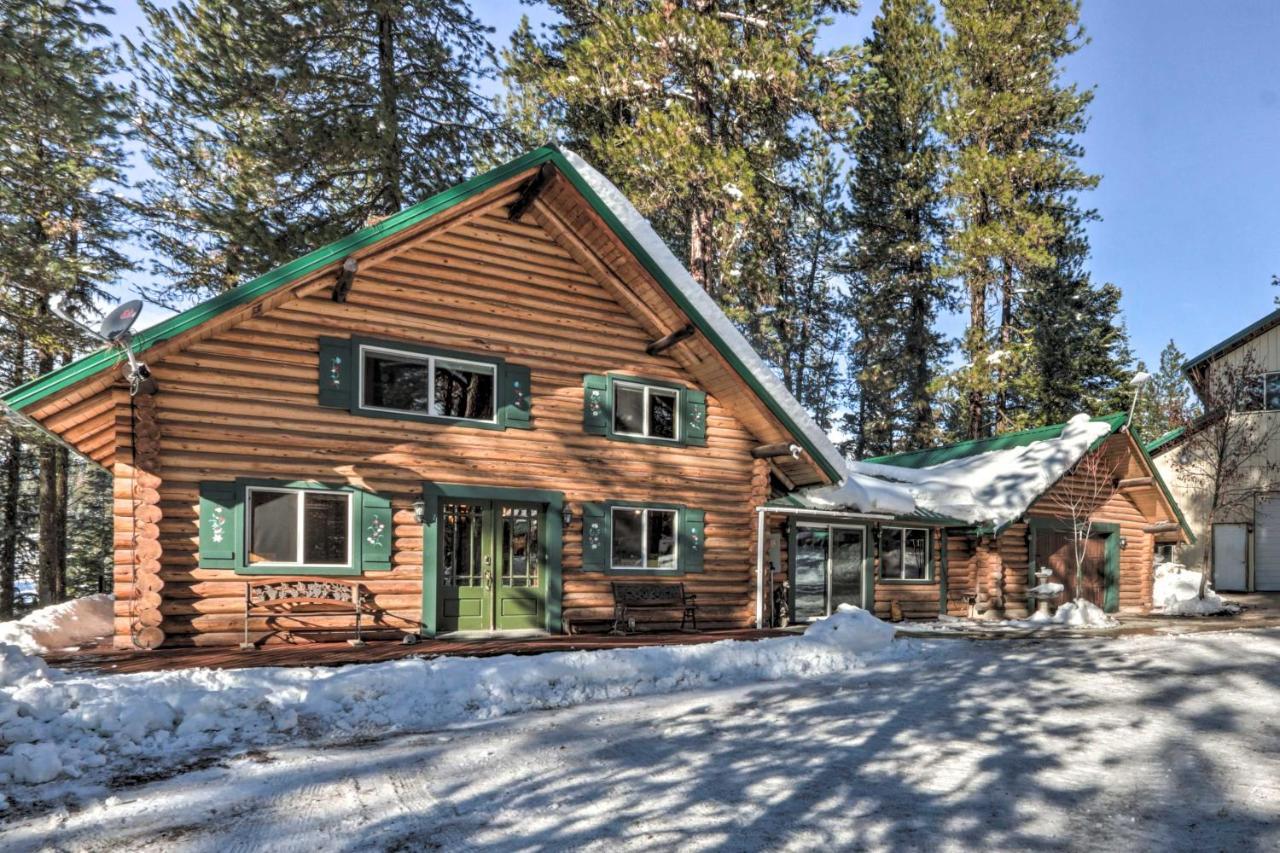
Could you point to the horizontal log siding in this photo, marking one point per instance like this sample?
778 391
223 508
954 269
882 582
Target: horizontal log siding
1136 561
961 572
917 600
243 403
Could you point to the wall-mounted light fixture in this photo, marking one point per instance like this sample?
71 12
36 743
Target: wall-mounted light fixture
566 514
1124 543
419 511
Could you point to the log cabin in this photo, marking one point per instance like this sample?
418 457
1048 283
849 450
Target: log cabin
474 415
988 514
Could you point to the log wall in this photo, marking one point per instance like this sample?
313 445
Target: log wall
243 403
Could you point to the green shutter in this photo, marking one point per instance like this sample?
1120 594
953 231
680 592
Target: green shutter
595 537
597 411
693 539
336 373
516 397
376 532
695 417
219 525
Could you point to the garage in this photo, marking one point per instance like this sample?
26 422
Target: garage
1231 557
1266 544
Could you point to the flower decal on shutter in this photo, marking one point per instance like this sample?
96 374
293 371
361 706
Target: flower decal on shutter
373 535
335 371
595 403
218 525
593 535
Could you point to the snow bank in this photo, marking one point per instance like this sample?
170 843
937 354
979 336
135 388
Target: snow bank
61 626
863 493
1076 614
993 488
1073 614
59 726
1176 592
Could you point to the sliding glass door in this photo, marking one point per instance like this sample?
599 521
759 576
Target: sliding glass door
828 565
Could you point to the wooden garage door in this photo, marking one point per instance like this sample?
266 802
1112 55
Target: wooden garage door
1054 549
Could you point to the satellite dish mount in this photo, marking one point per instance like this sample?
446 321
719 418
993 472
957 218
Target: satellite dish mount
116 332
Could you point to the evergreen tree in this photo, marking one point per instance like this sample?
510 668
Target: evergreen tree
60 219
897 286
692 108
1014 179
1168 401
800 326
276 126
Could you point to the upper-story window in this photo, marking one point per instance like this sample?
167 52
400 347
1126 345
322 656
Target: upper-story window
1261 394
399 381
646 410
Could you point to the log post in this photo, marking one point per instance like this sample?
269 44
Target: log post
137 516
759 497
990 572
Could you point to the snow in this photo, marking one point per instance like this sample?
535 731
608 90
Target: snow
1081 744
1078 614
997 487
862 493
1073 616
61 626
1176 592
66 726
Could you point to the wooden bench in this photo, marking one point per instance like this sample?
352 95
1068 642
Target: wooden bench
283 596
635 595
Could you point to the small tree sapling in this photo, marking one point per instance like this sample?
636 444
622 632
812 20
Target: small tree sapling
1079 495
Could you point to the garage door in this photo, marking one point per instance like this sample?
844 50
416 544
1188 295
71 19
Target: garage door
1266 544
1230 557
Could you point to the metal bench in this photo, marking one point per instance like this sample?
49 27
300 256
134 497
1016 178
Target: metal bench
273 598
631 595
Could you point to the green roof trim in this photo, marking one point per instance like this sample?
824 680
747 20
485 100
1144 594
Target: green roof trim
1171 435
58 380
975 447
1227 344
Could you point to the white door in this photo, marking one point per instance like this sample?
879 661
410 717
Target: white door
1266 544
1230 557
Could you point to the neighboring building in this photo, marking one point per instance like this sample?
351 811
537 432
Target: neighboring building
989 513
483 410
1244 554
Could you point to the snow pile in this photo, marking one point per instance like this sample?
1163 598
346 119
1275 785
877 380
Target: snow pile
993 488
1072 615
863 493
61 626
1048 589
1076 614
1176 592
55 725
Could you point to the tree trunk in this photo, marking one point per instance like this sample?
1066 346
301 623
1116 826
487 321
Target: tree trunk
62 459
977 329
12 488
391 194
920 408
47 526
1006 341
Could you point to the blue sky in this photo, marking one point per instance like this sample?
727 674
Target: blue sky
1185 132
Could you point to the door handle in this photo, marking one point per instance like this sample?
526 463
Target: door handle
488 579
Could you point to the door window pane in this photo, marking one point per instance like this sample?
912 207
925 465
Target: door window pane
628 538
325 529
662 413
273 526
395 382
519 546
661 540
811 572
464 390
628 410
846 567
460 546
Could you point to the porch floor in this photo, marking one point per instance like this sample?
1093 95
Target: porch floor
105 658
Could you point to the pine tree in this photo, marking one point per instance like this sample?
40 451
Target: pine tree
692 108
897 286
1168 401
276 126
60 217
1013 125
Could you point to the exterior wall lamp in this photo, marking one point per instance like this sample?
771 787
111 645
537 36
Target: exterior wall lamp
566 514
419 511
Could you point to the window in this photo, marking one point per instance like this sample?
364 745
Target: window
297 527
1164 553
645 410
397 381
1260 393
904 553
644 539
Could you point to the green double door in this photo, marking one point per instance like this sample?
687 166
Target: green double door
491 566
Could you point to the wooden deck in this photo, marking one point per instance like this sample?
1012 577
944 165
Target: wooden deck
107 659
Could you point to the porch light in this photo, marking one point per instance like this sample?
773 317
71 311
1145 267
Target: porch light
566 514
419 511
1124 543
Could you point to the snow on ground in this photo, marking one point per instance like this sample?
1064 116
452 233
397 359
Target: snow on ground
61 626
1176 592
1073 615
63 734
1140 743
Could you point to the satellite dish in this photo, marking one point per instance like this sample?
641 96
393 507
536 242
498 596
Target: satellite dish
117 324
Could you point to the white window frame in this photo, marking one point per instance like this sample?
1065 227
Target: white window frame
902 549
301 531
430 361
648 391
644 539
